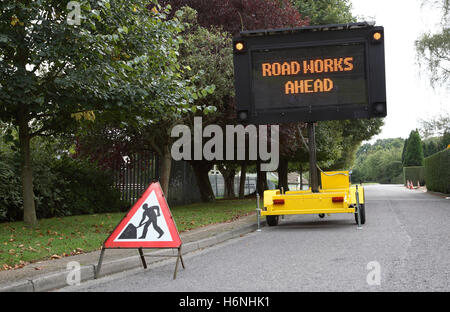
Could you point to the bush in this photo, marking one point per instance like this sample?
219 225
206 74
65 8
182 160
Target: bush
86 188
62 186
414 174
10 191
437 172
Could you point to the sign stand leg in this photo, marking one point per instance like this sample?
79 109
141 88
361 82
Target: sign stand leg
99 265
179 257
141 253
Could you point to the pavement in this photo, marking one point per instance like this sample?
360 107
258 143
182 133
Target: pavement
52 274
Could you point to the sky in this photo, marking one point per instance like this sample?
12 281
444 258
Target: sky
409 94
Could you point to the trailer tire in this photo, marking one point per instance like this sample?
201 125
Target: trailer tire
363 214
272 220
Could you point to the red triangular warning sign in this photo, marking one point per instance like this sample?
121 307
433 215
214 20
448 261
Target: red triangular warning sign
148 224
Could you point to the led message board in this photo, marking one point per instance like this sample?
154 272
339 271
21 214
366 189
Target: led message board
310 73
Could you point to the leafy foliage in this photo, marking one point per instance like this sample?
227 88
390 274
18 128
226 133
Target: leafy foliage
379 162
57 69
121 59
433 145
237 15
63 186
435 126
433 50
322 12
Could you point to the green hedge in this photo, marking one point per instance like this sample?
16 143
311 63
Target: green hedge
437 172
414 174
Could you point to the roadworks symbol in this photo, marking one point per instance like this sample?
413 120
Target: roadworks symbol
138 227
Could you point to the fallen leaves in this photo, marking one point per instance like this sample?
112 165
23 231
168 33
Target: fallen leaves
53 239
6 267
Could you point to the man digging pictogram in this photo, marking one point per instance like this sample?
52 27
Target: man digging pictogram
149 212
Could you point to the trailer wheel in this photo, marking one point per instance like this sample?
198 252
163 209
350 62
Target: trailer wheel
363 214
272 220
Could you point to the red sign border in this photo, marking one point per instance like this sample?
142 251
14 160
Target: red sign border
176 240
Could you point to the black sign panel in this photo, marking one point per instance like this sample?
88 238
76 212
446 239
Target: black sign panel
310 74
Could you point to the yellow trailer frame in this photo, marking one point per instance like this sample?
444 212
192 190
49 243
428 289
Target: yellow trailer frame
336 195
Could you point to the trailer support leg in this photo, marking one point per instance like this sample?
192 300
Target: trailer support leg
258 214
358 209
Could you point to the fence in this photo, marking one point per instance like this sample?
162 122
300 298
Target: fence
183 187
133 174
218 185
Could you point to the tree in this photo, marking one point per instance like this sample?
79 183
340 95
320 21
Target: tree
354 132
433 50
322 12
436 126
379 162
414 152
436 133
121 58
405 144
208 49
238 15
233 16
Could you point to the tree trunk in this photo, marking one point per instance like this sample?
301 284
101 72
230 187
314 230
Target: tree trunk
29 208
261 180
201 170
242 181
228 178
165 167
283 174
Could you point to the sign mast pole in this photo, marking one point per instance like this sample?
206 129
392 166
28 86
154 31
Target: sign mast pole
312 158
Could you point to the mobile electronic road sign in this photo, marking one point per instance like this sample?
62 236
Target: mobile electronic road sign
310 73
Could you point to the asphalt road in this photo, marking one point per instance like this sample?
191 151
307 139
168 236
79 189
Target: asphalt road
407 233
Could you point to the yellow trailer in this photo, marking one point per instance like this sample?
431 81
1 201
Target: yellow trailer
336 195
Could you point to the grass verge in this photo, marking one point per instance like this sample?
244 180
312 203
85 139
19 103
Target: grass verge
60 237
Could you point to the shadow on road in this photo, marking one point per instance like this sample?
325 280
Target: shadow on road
319 224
